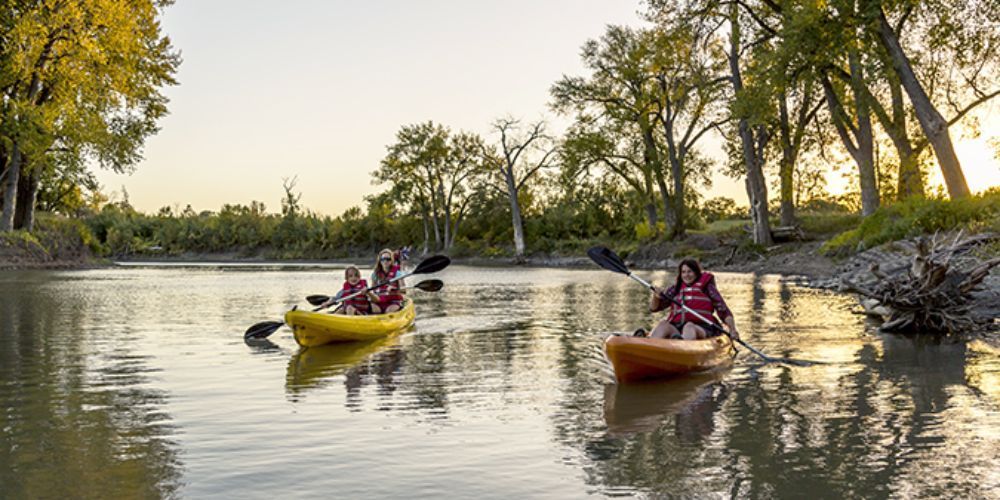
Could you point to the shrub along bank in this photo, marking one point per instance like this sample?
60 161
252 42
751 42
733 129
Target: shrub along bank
56 242
918 216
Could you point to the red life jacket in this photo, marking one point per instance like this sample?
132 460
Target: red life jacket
695 297
361 301
388 292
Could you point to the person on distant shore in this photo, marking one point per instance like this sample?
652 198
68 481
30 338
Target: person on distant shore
696 290
356 306
390 295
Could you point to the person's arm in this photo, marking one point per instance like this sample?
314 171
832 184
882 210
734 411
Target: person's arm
336 297
722 309
661 298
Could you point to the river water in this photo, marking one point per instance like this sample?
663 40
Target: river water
136 383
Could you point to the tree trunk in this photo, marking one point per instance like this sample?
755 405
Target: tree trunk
27 194
756 187
934 125
437 228
651 157
447 217
10 189
427 232
515 214
669 218
786 168
680 223
865 153
651 215
910 182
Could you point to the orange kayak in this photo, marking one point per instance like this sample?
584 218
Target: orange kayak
638 358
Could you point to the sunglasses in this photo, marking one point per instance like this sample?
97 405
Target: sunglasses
385 259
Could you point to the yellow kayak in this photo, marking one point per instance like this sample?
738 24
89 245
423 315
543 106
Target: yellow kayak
313 329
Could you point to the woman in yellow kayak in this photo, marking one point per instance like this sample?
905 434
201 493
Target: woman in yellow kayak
390 296
696 290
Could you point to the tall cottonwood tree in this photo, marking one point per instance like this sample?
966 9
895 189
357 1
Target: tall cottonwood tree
663 84
688 69
619 95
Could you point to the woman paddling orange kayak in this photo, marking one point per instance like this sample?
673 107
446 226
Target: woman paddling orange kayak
697 293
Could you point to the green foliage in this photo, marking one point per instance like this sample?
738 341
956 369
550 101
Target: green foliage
720 208
55 238
22 240
828 223
917 216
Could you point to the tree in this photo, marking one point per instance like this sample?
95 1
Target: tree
619 95
662 85
687 66
591 143
79 79
753 134
437 173
523 151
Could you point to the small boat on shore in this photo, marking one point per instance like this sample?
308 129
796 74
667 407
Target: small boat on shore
313 329
639 358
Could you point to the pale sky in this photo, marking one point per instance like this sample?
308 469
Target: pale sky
318 89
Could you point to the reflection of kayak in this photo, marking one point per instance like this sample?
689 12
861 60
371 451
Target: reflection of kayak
313 329
632 408
638 358
312 365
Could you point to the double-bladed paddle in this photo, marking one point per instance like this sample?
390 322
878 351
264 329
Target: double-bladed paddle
425 285
429 265
609 260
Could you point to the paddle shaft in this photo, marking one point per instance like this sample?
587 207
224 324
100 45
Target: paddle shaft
366 290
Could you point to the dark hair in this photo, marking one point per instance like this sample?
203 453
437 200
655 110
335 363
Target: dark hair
693 265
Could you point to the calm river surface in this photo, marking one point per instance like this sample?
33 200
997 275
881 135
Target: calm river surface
136 383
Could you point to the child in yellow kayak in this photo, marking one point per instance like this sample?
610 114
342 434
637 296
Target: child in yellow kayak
360 305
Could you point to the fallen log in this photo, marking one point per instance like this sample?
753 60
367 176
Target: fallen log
932 295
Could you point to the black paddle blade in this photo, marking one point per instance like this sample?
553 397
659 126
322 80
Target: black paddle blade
430 285
432 264
317 299
262 329
604 257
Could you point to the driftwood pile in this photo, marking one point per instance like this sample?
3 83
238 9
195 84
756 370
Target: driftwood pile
934 293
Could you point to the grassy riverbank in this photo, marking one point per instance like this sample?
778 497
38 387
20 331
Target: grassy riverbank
56 243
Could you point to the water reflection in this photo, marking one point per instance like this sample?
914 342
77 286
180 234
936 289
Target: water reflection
693 401
81 410
503 376
314 367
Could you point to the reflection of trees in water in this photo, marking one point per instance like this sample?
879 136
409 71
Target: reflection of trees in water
420 373
78 416
775 439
